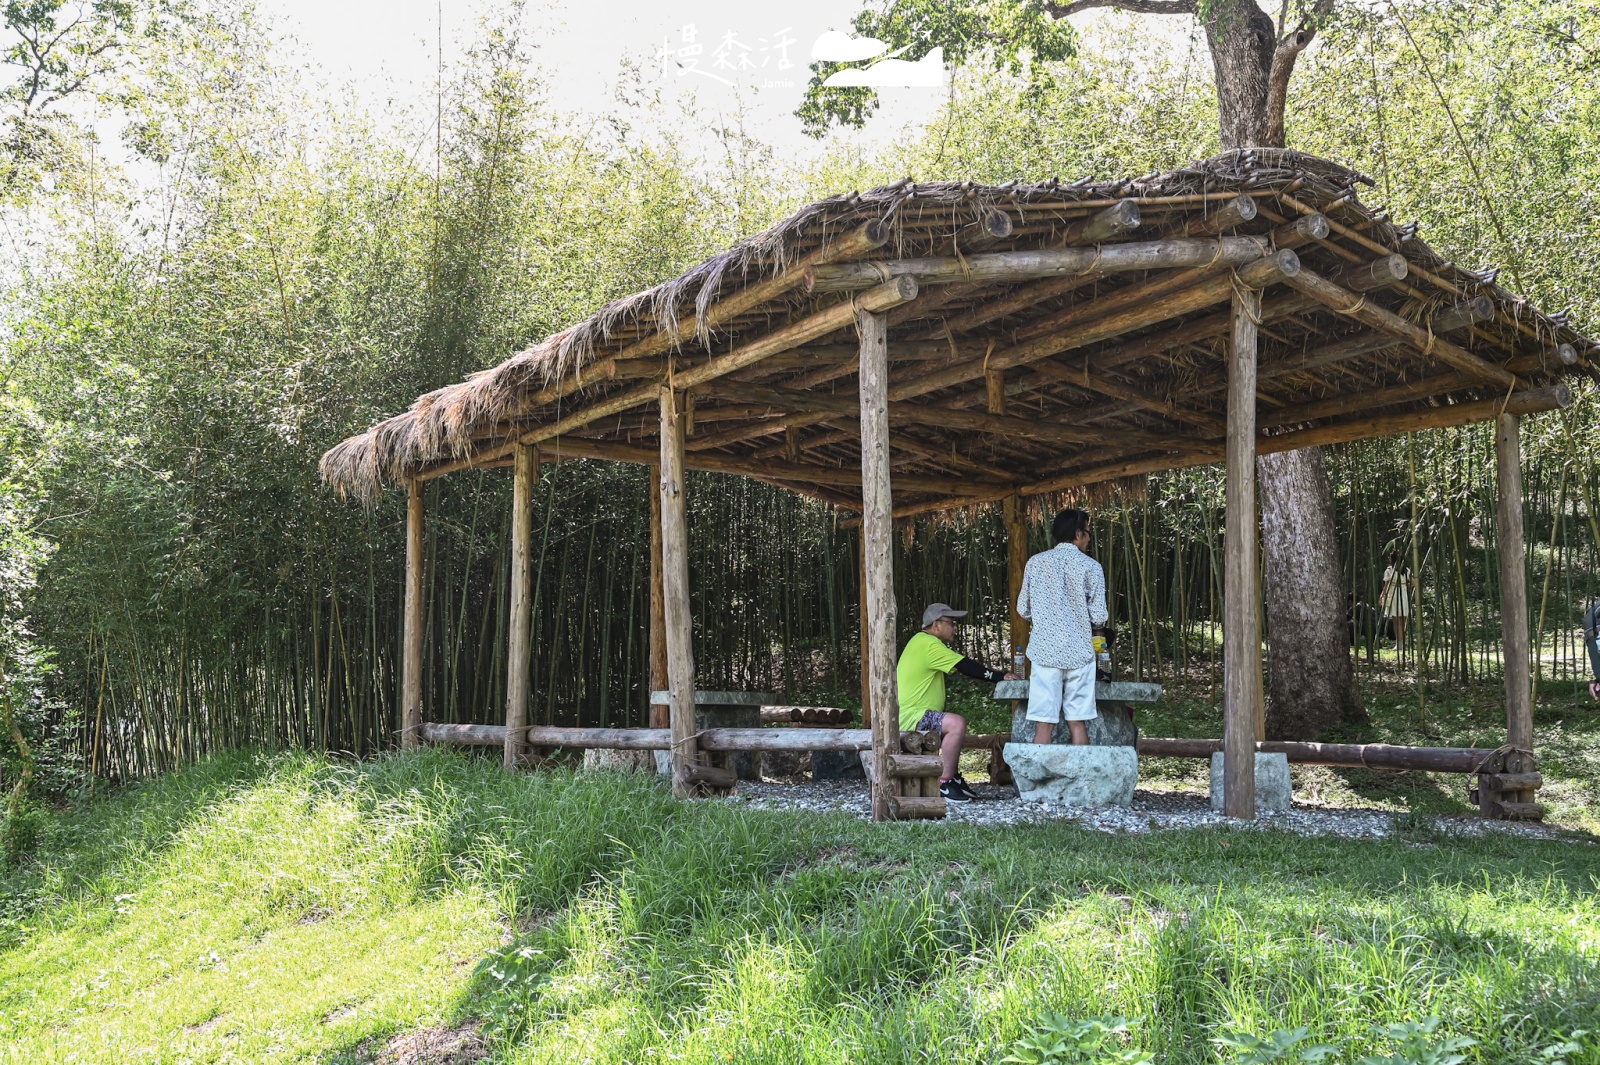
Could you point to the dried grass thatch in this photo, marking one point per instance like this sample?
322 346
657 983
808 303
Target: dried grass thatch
455 424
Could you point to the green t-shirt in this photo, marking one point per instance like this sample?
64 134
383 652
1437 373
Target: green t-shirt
919 678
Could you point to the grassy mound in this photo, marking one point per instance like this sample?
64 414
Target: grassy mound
287 908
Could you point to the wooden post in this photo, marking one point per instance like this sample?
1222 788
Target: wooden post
1016 515
1241 639
657 680
411 667
877 540
1513 589
675 592
518 650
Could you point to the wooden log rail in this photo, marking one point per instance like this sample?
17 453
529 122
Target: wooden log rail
1505 775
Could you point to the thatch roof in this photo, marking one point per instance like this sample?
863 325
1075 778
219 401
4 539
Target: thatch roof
1098 381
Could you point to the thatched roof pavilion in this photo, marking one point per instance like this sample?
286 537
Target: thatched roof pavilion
1037 337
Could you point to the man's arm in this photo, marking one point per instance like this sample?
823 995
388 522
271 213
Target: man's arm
1098 614
978 671
1025 597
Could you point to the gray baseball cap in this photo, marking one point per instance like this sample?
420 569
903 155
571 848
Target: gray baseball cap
940 610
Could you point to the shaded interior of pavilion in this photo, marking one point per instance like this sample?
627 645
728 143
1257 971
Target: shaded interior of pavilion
919 348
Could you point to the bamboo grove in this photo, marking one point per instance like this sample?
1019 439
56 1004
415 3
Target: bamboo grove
180 348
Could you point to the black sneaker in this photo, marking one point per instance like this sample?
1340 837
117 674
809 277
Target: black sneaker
952 791
971 793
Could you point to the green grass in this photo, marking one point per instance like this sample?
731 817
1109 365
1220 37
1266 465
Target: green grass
288 908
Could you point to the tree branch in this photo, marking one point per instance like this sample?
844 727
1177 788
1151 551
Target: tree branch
1284 55
1142 7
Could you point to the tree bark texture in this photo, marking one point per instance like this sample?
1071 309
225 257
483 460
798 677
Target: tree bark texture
1311 687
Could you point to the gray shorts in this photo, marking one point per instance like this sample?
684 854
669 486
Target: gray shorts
932 721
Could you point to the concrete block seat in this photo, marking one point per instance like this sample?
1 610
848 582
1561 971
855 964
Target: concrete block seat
1274 791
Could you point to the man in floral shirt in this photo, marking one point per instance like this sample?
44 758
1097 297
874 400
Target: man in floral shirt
1064 595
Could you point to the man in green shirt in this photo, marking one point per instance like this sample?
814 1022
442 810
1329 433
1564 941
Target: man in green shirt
924 663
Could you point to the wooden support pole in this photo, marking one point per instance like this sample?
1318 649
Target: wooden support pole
1513 585
659 715
877 539
1016 516
1241 624
519 650
675 592
411 669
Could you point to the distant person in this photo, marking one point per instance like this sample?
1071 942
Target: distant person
1396 599
1591 640
919 680
1064 595
1363 620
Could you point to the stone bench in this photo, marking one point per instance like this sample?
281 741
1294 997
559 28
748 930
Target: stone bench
1113 728
722 710
1102 774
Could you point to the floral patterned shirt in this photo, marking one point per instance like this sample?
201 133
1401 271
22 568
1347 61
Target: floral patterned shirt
1064 595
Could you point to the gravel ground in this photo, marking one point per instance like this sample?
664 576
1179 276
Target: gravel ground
1151 811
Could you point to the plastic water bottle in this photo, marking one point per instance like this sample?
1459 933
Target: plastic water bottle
1102 655
1019 663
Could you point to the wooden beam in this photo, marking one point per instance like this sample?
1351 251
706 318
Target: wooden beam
993 227
1141 305
1016 519
1364 310
1349 755
675 587
1279 266
1370 276
411 667
1237 211
1546 360
1513 582
1241 624
1108 223
1532 401
519 641
1008 266
1107 386
858 241
656 679
885 296
877 536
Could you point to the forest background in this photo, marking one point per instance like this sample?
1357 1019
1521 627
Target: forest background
231 269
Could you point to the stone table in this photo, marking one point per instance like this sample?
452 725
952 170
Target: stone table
723 710
1113 728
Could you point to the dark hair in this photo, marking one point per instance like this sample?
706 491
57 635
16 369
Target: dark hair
1394 556
1068 524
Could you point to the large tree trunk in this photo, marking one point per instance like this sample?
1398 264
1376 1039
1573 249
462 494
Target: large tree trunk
1311 686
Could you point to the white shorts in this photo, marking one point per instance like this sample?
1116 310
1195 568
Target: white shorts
1052 691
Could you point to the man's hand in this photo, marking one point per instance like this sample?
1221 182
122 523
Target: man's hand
1013 676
